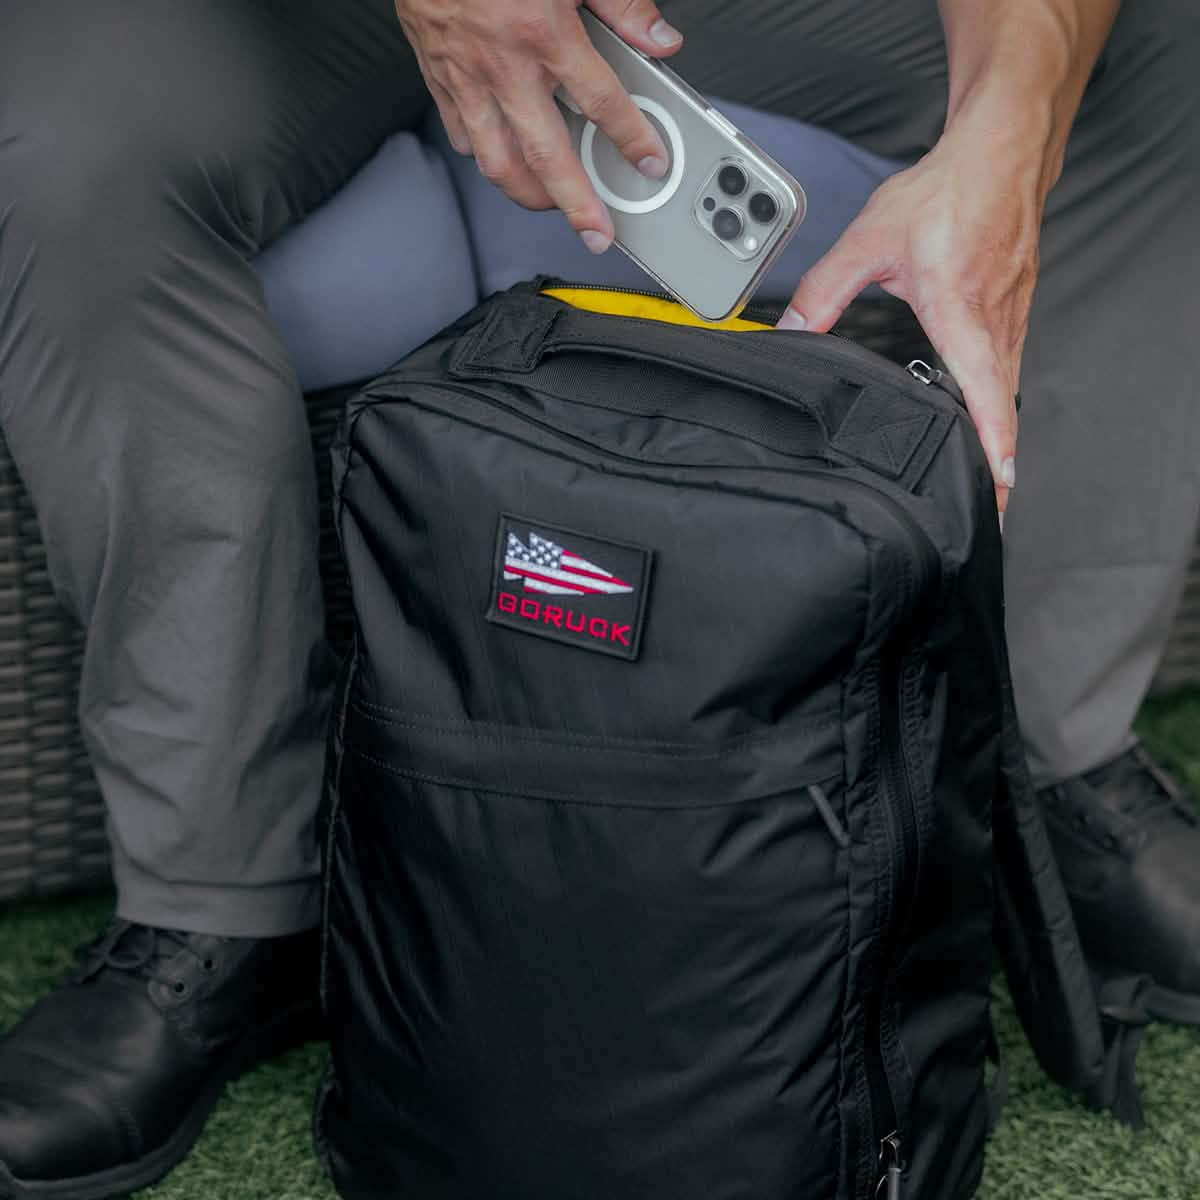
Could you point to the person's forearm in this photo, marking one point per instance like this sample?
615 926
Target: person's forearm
1018 69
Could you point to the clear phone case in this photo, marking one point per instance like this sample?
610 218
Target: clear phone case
711 229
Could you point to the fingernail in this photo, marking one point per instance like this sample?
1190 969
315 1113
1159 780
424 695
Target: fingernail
665 35
653 166
791 319
596 242
1008 473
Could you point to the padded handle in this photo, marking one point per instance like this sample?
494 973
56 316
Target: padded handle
868 422
517 339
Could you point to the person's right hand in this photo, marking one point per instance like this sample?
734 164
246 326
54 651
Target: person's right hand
493 67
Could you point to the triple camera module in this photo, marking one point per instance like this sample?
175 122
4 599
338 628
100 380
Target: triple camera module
738 209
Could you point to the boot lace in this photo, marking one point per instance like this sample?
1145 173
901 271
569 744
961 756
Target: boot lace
138 950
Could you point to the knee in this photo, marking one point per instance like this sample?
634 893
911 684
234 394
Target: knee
120 160
143 107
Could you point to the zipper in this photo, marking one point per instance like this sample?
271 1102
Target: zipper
901 836
901 815
764 312
891 1168
832 348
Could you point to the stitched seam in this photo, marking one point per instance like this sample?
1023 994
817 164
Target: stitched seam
471 785
335 817
568 744
488 731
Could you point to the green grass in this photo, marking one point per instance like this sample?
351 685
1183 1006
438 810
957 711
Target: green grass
256 1147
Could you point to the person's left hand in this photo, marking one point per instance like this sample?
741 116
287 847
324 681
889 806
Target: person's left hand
956 237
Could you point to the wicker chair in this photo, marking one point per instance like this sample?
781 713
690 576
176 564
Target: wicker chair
52 837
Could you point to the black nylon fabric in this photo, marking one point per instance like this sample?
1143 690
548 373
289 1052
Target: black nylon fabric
711 915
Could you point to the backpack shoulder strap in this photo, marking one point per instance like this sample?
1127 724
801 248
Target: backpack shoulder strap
1086 1037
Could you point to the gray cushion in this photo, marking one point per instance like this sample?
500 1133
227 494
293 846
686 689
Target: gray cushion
388 261
512 244
381 267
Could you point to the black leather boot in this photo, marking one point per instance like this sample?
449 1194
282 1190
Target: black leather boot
1127 840
107 1082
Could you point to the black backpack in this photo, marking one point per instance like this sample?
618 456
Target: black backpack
670 769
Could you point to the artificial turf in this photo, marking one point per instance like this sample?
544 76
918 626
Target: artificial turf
256 1146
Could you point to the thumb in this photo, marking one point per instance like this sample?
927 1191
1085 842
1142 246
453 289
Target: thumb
640 23
829 285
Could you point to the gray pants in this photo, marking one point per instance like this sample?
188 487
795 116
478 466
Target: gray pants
149 148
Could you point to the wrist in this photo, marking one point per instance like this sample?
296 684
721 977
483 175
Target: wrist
1017 73
1021 142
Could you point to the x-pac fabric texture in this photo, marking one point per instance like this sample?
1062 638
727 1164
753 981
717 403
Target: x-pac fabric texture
660 853
680 840
148 151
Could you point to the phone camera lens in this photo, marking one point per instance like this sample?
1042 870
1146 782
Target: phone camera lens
732 180
727 225
763 208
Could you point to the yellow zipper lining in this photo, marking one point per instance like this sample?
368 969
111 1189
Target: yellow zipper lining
649 308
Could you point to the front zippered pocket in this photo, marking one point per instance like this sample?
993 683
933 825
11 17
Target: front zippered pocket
608 945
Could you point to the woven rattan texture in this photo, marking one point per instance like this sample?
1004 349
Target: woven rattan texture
1180 666
51 820
52 837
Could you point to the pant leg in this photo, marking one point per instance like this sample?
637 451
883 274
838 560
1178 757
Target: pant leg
148 148
870 71
1103 520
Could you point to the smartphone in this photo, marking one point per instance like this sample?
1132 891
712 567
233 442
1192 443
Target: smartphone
712 228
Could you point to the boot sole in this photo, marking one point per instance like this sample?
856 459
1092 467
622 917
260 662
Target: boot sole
297 1027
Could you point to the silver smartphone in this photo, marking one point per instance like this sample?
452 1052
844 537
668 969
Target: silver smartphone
711 229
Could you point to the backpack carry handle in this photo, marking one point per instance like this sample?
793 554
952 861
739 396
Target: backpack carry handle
856 418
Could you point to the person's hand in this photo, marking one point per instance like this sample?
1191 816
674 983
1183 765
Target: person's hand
956 237
493 66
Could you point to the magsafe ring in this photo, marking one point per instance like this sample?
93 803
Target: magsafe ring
587 153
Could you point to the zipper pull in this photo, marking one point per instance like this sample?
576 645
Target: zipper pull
932 377
921 370
928 375
891 1167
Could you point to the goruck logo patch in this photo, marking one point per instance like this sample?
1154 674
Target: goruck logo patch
566 586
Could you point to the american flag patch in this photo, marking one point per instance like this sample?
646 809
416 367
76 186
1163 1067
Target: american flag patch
570 587
544 566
